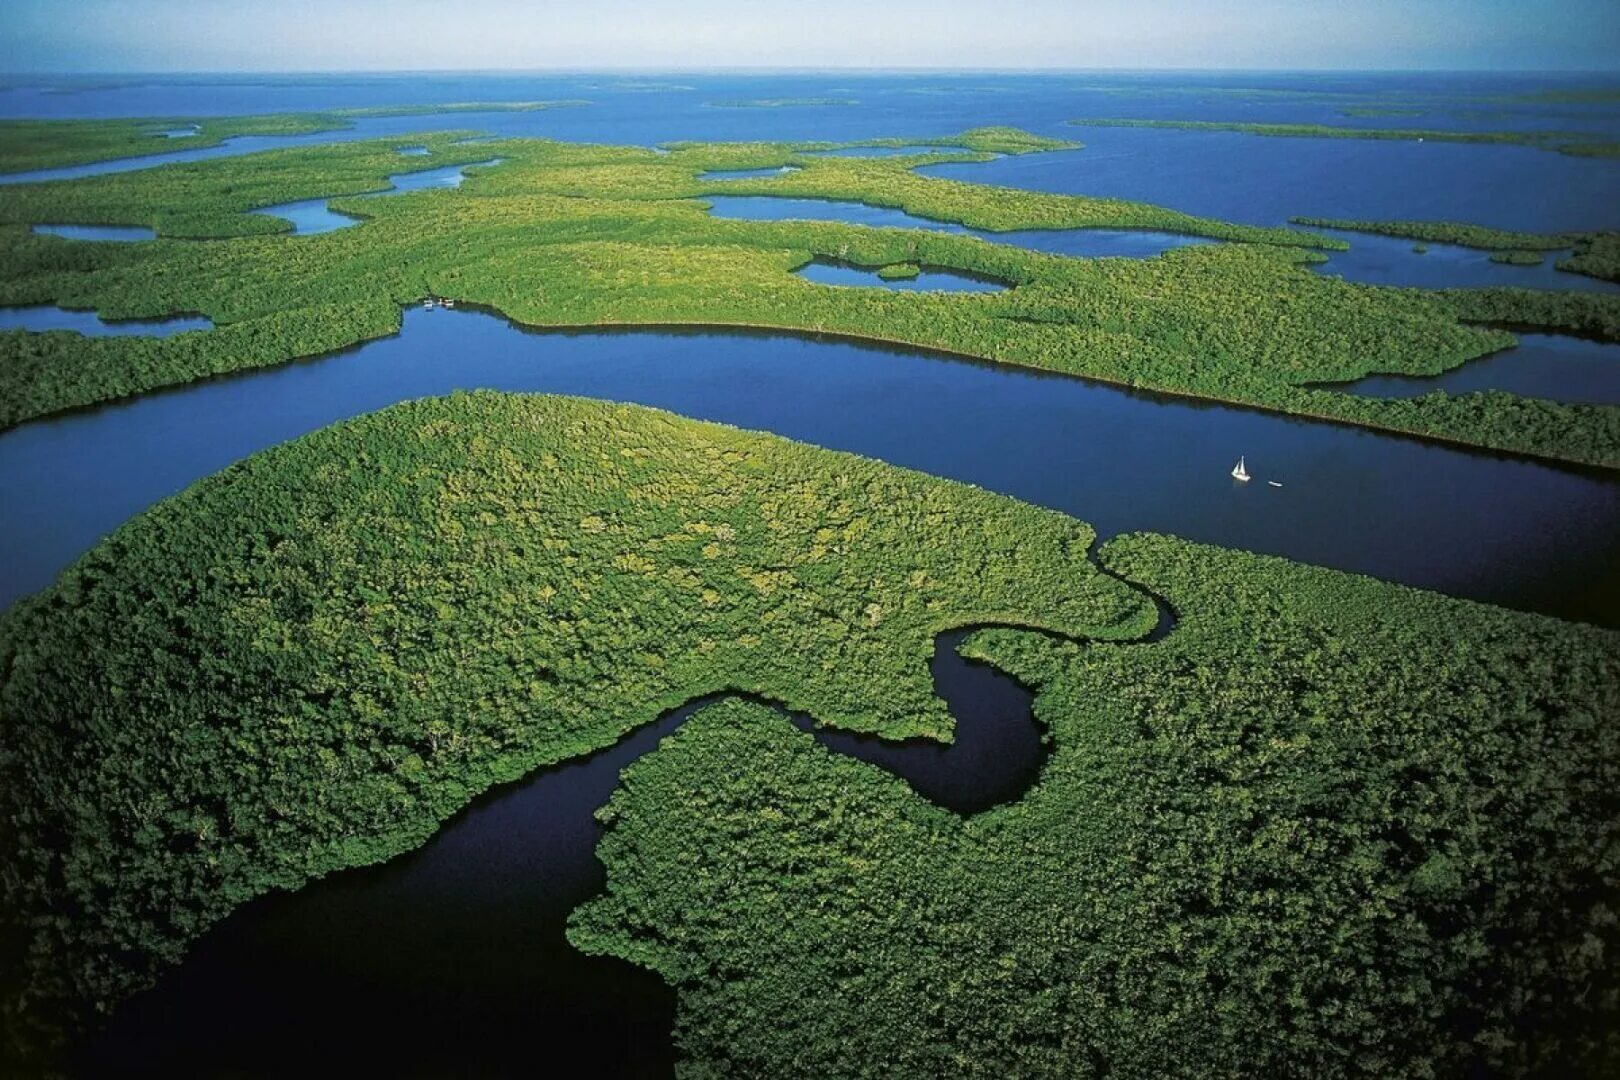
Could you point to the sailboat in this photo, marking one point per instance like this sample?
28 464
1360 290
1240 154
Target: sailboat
1239 473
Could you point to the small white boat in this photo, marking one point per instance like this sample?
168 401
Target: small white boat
1239 473
449 303
1275 483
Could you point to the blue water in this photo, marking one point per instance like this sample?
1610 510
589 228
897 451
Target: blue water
314 216
1224 174
931 279
41 317
1553 366
446 176
115 233
309 216
1080 243
1475 525
1388 260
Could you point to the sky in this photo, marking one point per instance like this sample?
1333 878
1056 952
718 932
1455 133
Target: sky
414 35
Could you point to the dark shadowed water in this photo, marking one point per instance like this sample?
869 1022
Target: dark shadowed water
452 961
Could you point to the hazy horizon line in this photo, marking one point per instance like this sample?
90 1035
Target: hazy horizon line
1613 72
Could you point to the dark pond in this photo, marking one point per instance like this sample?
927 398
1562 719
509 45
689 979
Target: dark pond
116 233
47 317
1555 366
930 279
1085 243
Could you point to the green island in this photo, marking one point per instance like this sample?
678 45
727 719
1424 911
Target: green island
900 272
781 103
1595 254
561 234
1380 110
26 145
1276 840
1574 143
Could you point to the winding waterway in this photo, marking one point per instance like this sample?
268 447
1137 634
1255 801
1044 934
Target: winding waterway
1516 532
465 935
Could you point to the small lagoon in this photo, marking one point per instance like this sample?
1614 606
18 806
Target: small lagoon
1390 260
1558 367
42 317
1078 243
928 279
310 217
102 233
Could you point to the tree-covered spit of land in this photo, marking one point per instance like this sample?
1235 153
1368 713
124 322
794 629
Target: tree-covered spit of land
563 234
1325 826
1574 143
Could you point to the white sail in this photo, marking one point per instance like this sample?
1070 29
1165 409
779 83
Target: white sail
1239 472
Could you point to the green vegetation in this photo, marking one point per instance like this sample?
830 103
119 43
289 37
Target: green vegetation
563 234
310 660
1595 95
1596 254
1577 143
1459 233
26 145
1328 827
900 272
1518 258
